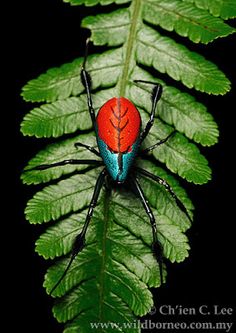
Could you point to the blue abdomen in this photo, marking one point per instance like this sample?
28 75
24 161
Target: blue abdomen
118 164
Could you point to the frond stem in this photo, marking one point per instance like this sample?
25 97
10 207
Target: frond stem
129 61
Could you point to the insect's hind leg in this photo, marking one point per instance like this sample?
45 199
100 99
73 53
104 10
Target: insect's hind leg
79 241
155 97
156 246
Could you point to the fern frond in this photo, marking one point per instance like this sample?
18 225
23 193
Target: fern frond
187 20
55 201
178 109
223 8
57 152
109 280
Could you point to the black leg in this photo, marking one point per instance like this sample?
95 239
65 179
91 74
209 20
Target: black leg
79 241
162 182
87 83
156 246
107 183
147 150
155 96
91 149
65 162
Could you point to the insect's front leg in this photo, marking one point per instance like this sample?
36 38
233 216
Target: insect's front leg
87 83
155 97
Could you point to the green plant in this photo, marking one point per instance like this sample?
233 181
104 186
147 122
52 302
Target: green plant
110 279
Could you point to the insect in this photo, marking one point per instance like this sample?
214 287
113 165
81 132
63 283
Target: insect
119 135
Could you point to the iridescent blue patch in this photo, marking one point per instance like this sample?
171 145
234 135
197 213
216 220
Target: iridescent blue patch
111 160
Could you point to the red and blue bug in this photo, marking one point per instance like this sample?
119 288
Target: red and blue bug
117 128
119 137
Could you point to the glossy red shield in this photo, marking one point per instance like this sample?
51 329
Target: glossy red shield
118 123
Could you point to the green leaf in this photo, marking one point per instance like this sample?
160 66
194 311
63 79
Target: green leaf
57 83
57 200
57 240
178 154
95 2
160 199
175 108
60 83
175 244
125 261
186 20
57 118
108 282
112 28
62 117
178 62
56 153
223 8
163 54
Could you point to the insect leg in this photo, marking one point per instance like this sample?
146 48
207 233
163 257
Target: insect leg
147 150
87 83
155 96
65 162
91 149
156 246
164 183
79 241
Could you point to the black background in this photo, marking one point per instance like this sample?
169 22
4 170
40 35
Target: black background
47 34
